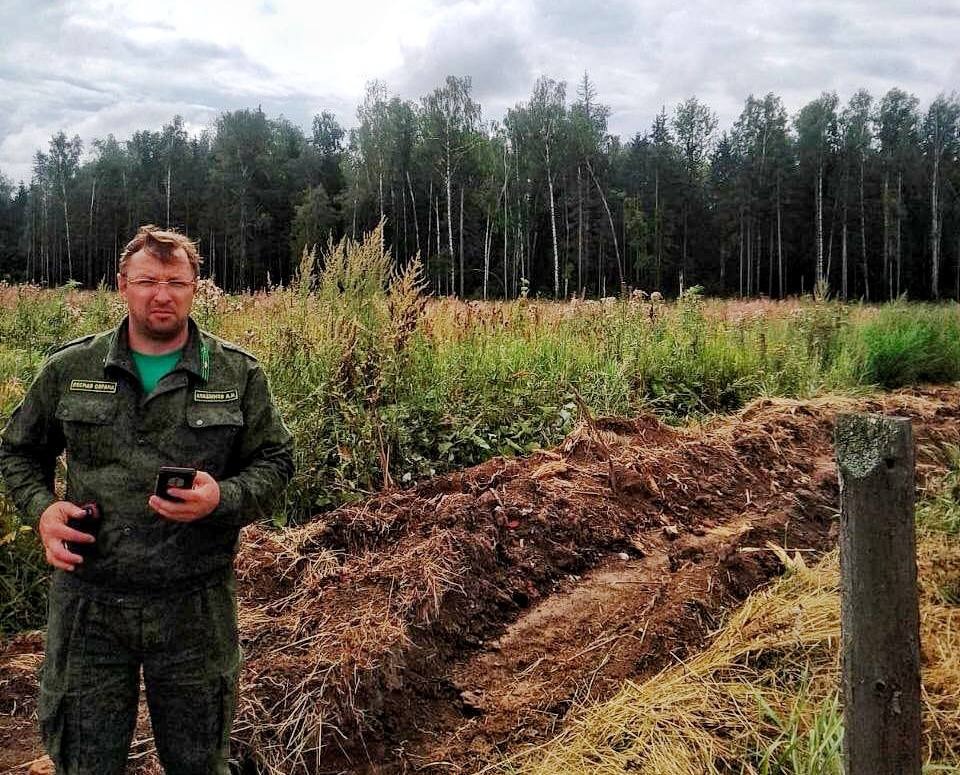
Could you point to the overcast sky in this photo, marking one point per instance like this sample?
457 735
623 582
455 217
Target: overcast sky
93 67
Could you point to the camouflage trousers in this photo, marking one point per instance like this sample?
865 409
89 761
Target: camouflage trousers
97 644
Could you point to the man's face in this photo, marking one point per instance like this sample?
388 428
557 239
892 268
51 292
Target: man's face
158 311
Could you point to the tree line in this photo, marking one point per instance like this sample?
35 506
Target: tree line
859 200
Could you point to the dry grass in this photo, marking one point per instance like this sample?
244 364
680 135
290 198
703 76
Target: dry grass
763 697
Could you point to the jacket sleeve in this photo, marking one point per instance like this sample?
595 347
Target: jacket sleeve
264 459
30 445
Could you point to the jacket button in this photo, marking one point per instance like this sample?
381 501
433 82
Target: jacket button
199 422
126 530
141 440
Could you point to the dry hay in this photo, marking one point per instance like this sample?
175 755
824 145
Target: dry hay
771 672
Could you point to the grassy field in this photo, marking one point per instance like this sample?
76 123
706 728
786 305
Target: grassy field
382 386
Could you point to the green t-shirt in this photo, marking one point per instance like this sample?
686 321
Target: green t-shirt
153 368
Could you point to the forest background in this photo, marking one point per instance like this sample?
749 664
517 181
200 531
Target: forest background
856 199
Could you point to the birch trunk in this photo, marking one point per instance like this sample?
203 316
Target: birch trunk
383 247
416 222
403 204
613 231
449 185
863 238
741 253
486 257
770 264
887 274
506 222
656 233
437 214
168 195
935 227
553 228
579 232
843 251
66 225
899 253
779 238
429 220
819 204
90 247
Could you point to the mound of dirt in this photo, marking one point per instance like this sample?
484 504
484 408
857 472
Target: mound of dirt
442 625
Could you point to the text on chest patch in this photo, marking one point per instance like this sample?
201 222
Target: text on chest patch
215 395
93 386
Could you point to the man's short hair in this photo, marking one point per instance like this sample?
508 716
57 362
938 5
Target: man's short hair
161 243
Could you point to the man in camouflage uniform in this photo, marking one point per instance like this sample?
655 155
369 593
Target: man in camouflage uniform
155 588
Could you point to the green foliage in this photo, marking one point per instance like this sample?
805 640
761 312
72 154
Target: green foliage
804 741
23 575
907 345
381 388
941 511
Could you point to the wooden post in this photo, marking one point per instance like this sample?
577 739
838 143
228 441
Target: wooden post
880 616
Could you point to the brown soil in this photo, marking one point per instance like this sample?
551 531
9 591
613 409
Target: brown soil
439 627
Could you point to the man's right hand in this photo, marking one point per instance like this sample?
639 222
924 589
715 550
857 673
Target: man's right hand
54 532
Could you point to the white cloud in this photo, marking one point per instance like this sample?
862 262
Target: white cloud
92 67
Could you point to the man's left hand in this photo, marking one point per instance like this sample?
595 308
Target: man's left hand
194 504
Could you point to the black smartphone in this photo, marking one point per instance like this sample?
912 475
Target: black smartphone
171 476
89 523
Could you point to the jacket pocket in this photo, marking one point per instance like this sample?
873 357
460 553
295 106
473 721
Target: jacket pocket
88 426
210 434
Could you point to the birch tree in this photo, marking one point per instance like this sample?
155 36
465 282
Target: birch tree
817 136
64 162
588 132
896 124
547 112
857 138
693 125
450 120
940 144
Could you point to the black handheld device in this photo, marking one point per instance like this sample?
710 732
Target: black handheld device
89 523
172 476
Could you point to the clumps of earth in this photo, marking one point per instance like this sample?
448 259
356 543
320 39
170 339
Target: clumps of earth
445 625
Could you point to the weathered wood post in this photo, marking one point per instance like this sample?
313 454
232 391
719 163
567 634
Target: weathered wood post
880 616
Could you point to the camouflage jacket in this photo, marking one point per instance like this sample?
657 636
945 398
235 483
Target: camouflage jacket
213 412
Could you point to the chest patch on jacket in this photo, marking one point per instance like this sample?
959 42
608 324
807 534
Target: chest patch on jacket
92 386
215 396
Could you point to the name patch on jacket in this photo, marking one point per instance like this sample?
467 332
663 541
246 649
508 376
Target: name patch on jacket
93 386
215 395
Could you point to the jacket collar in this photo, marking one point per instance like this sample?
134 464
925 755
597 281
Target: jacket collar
192 358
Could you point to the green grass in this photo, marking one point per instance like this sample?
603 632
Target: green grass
907 345
23 575
378 388
805 741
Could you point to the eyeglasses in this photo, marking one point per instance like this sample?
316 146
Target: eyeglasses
175 286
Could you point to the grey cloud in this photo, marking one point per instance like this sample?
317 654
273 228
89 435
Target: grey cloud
93 81
485 47
613 22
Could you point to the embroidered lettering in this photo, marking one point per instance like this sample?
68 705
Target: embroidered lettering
215 395
93 386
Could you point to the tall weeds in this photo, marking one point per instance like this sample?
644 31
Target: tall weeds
382 385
